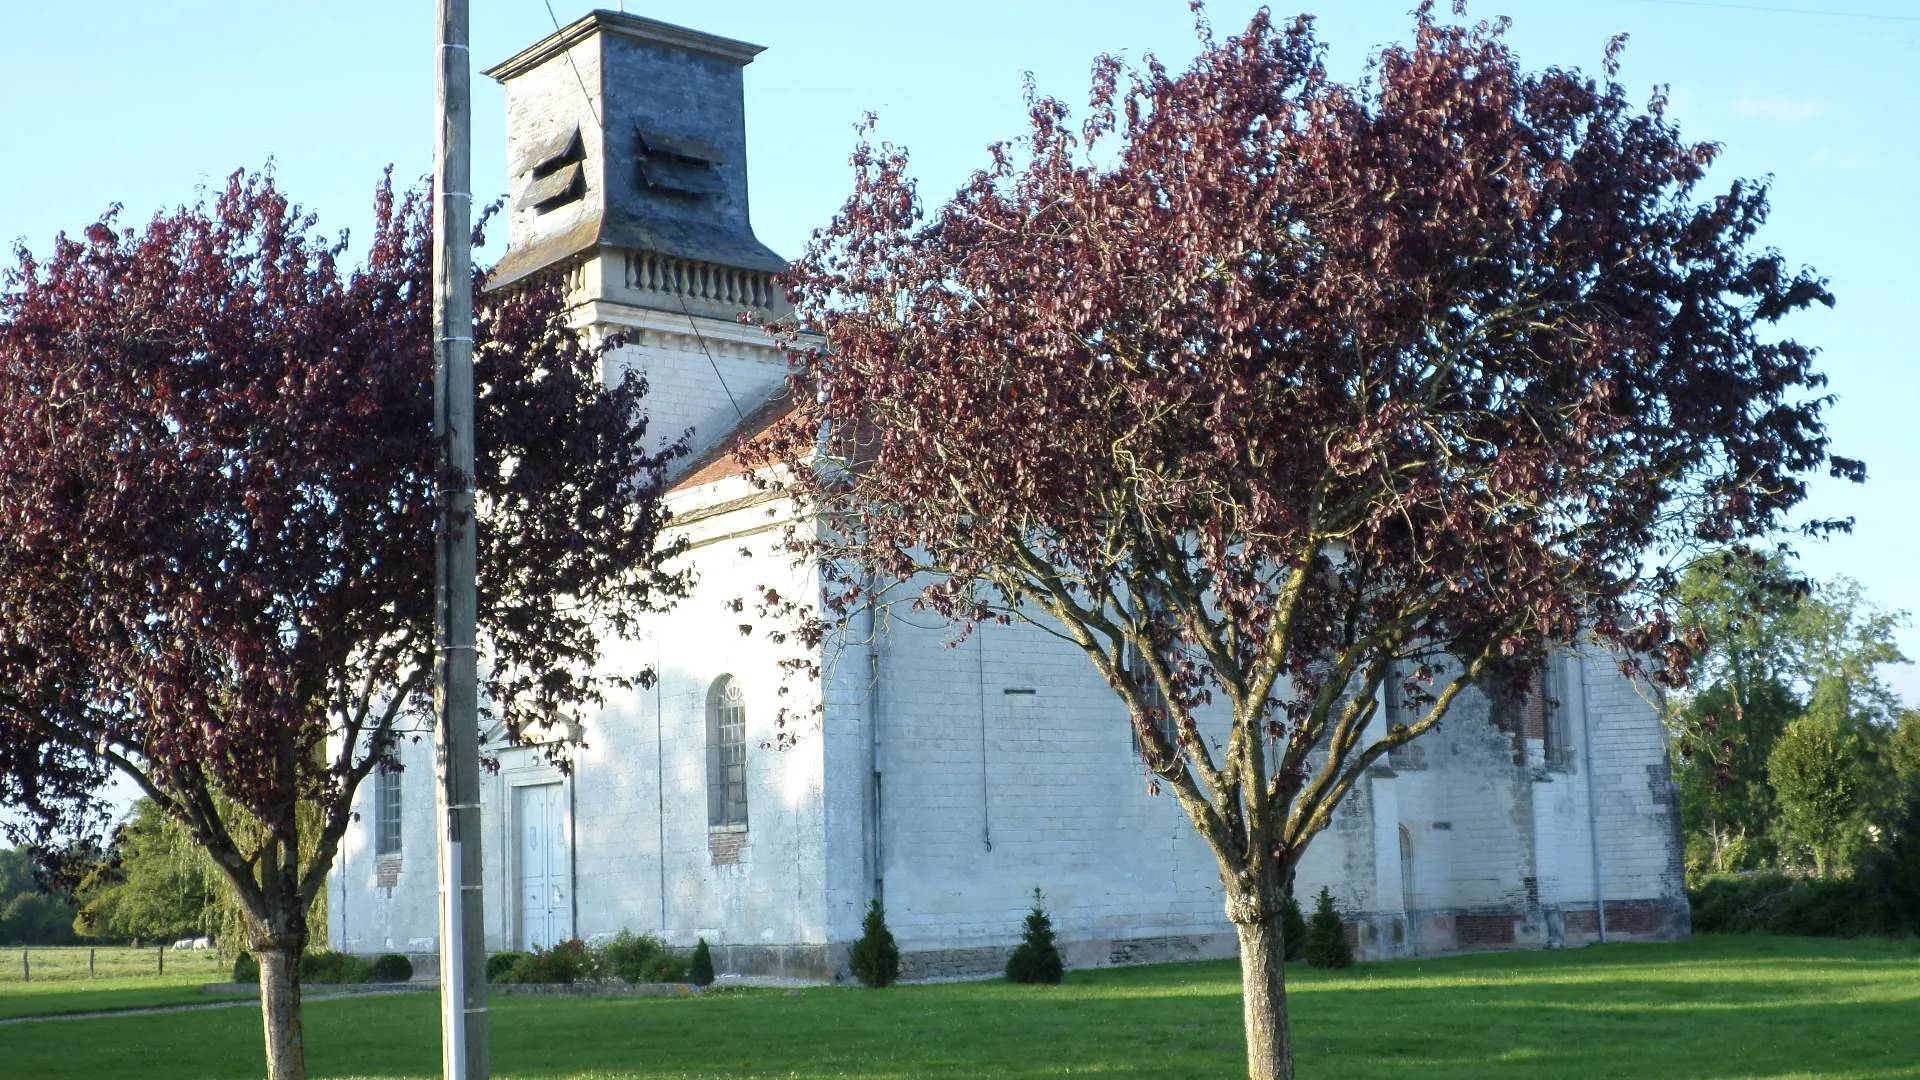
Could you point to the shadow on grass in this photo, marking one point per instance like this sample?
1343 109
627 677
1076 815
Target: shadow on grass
1698 1011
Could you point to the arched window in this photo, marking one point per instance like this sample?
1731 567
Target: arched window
726 753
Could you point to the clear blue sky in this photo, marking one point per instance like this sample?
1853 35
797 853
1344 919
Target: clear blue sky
137 103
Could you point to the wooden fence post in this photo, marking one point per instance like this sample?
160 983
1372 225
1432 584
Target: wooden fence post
161 952
89 963
26 969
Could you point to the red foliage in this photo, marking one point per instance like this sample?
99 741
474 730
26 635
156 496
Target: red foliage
216 520
1295 386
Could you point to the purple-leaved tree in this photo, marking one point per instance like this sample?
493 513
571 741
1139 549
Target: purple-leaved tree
216 533
1289 387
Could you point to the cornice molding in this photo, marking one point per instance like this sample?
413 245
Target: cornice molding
636 27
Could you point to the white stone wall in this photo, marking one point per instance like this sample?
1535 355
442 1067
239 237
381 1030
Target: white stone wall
679 365
650 755
1637 805
365 915
1004 763
1007 764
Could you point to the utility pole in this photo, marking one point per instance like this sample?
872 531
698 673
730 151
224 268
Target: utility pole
463 985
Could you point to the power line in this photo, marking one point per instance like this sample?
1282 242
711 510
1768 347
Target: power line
711 362
1784 10
592 110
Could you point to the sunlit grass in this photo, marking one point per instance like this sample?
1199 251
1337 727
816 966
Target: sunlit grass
58 979
1745 1008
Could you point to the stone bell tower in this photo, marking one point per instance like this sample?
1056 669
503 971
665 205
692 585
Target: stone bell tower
627 167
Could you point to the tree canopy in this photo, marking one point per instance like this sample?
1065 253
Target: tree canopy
29 913
1290 387
1774 649
216 527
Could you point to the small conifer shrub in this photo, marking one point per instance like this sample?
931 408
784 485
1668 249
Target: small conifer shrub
876 959
245 968
700 972
1327 945
1037 959
1293 928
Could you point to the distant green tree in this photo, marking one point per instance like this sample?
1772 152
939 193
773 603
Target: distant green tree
1744 606
1902 755
157 883
1843 640
1774 646
1721 746
1824 781
30 915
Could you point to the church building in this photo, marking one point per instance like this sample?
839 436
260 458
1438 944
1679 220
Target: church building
947 781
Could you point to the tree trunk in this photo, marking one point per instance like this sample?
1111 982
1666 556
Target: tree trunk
280 1013
1263 979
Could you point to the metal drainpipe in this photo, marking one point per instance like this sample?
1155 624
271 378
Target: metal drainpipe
1593 809
877 849
660 779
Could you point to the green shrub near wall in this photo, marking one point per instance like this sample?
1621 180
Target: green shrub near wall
640 958
335 967
1293 927
875 959
1037 959
1327 945
567 961
1778 904
392 968
700 969
500 964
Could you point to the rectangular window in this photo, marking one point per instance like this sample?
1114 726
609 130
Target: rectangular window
1555 748
1409 755
386 811
1155 700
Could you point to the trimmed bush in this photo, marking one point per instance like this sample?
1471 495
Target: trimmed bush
329 966
392 968
567 961
1293 928
700 971
1778 904
1327 945
245 968
673 968
876 959
500 965
640 958
1037 958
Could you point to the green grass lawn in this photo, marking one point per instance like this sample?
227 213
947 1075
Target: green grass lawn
1776 1008
58 980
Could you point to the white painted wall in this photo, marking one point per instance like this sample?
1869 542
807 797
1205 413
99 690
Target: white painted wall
1005 764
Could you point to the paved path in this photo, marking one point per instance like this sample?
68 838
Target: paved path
253 1002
